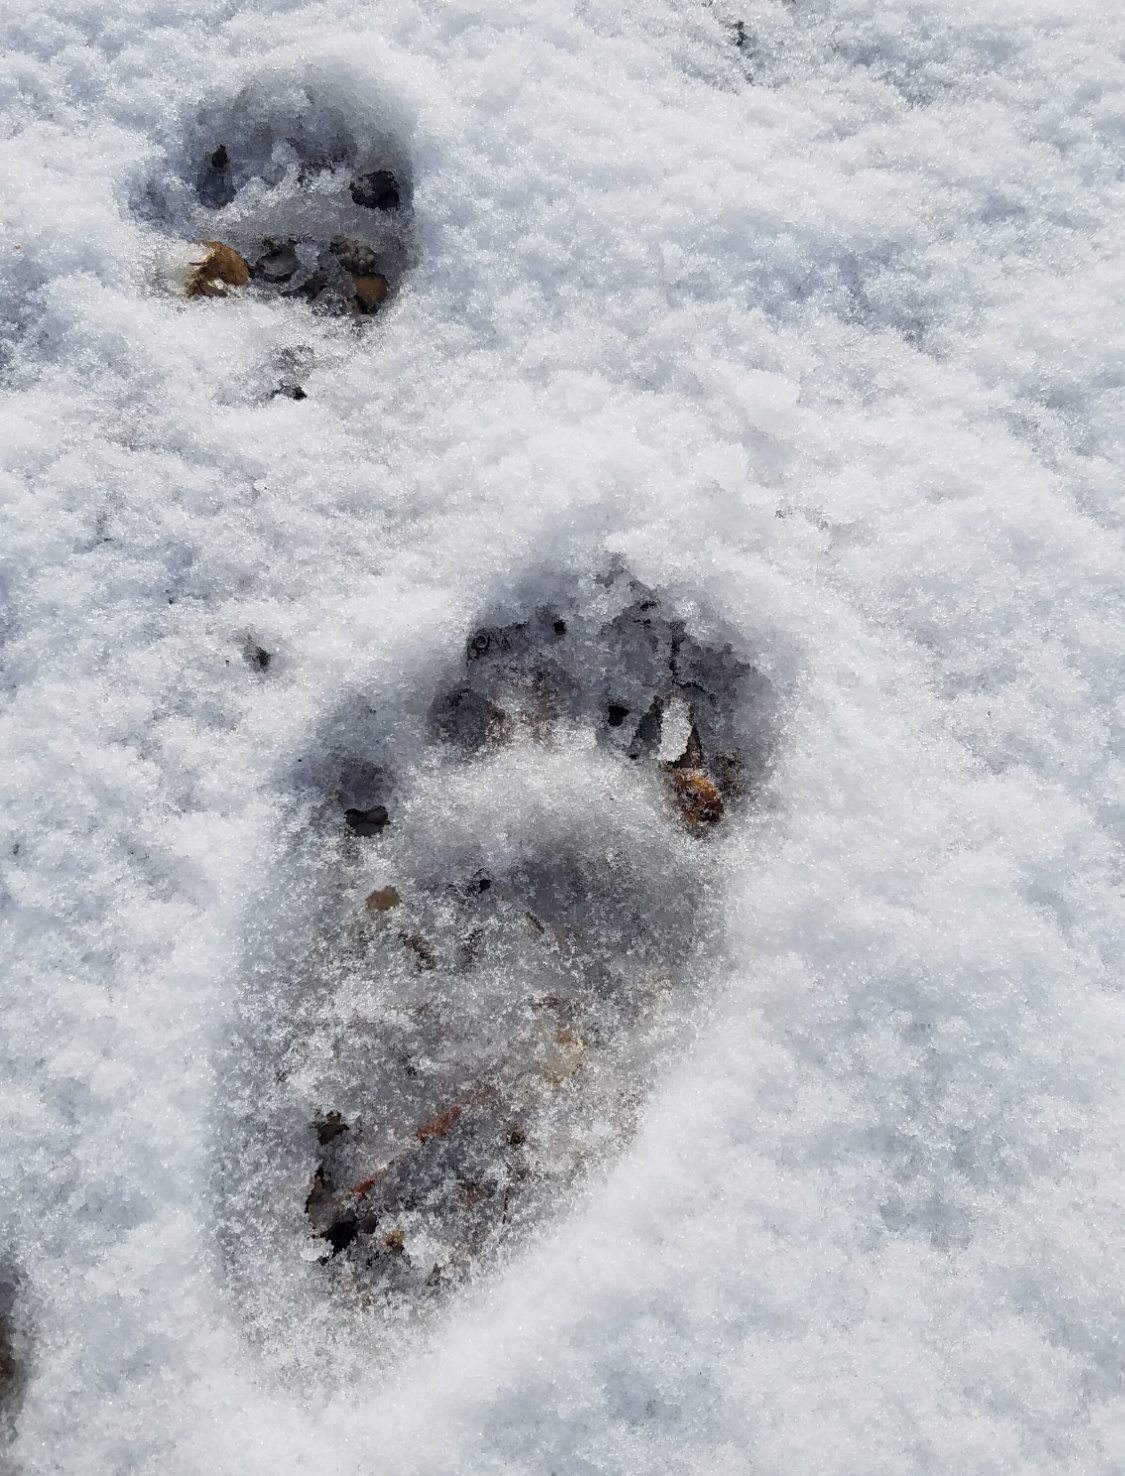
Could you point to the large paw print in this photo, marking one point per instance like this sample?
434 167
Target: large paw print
531 910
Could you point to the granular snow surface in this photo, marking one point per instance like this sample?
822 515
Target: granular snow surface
807 316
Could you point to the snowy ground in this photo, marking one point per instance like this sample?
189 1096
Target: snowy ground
809 312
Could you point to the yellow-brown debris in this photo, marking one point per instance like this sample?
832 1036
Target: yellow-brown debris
698 800
370 290
218 272
696 794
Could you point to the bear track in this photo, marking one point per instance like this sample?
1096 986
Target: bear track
506 949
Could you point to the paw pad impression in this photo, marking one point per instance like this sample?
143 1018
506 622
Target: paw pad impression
283 201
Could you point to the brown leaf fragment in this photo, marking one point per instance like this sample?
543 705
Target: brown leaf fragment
220 270
445 1120
439 1125
698 800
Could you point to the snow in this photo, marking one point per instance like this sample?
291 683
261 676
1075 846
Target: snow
819 335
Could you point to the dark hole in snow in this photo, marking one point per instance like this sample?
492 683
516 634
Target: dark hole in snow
367 822
329 1127
340 1235
617 715
646 740
220 158
376 191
